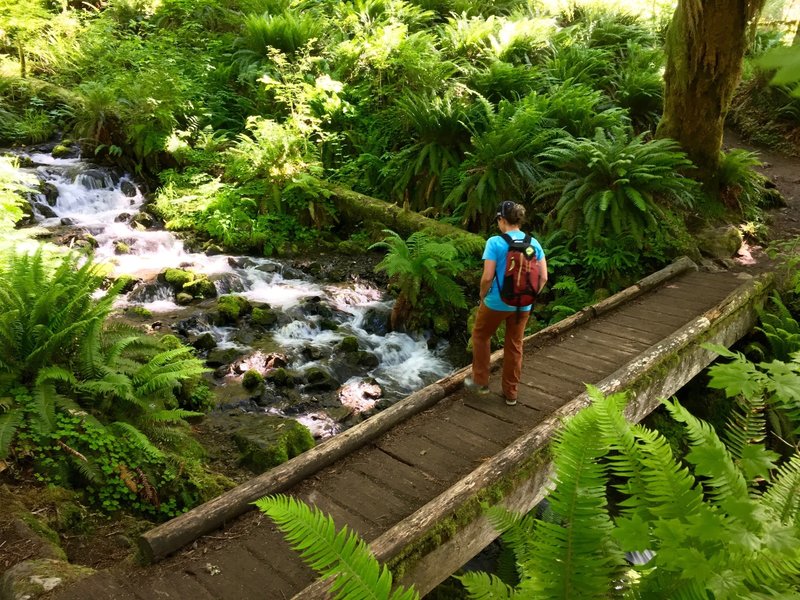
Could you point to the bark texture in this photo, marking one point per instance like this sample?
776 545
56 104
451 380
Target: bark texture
706 42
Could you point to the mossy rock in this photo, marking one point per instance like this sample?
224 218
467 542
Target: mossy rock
176 278
266 441
263 317
171 342
318 379
348 344
33 579
280 377
230 308
203 342
202 287
328 325
720 242
61 151
367 360
252 379
126 283
121 248
140 311
183 298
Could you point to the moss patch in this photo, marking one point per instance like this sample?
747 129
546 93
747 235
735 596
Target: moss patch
266 441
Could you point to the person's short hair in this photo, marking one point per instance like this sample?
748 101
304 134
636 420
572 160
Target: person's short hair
511 211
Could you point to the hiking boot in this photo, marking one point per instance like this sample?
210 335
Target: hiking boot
511 401
470 385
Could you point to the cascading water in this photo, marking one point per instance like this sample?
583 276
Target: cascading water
315 319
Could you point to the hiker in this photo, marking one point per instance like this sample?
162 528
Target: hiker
493 310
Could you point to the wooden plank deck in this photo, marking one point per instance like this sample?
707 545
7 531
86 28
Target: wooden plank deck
389 479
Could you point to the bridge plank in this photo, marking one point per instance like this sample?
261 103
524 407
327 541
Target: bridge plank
494 406
618 329
242 574
577 373
356 492
396 475
591 342
341 514
563 353
484 424
538 399
290 572
459 440
183 585
639 324
562 388
423 454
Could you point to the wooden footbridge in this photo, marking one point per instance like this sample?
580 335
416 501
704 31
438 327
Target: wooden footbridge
411 480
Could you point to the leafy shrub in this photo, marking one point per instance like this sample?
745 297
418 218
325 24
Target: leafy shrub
287 31
422 268
578 109
91 402
503 81
780 330
11 190
614 183
741 186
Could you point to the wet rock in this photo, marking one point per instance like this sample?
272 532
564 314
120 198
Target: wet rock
266 441
61 151
367 360
128 188
201 287
67 222
261 362
44 210
263 317
227 283
314 306
121 247
328 325
348 344
319 380
127 283
314 352
360 396
33 579
252 379
50 192
194 284
280 377
376 321
183 299
231 308
122 218
144 219
204 342
720 242
222 356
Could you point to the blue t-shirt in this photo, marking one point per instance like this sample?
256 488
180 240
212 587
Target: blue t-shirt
497 250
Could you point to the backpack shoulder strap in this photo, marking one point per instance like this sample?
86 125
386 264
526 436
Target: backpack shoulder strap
509 240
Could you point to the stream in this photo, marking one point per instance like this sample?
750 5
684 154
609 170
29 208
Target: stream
315 322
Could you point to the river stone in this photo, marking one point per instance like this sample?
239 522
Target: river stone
279 377
128 188
263 317
144 219
204 342
61 151
50 192
219 357
367 360
231 308
720 242
252 379
121 247
348 344
122 218
176 278
201 287
265 441
314 306
44 210
33 579
183 298
318 379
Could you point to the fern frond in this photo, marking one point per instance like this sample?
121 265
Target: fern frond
342 556
483 586
9 423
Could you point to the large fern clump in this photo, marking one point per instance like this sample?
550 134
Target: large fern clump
723 524
615 183
422 269
89 401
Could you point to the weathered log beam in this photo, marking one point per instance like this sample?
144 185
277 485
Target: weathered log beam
355 207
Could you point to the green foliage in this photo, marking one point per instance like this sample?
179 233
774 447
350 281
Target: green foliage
786 62
88 401
775 384
716 529
615 184
422 268
341 556
780 329
11 190
741 186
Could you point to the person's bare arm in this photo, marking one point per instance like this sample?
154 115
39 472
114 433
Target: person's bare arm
542 274
489 267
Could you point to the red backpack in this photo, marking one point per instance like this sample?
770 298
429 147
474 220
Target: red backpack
521 283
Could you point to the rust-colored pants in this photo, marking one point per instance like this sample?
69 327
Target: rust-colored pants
486 323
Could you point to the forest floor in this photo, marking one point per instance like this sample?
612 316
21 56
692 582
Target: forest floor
100 542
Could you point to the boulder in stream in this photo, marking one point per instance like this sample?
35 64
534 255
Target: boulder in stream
263 317
231 308
266 441
44 210
319 380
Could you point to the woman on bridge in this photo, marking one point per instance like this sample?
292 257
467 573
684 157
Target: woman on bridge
493 310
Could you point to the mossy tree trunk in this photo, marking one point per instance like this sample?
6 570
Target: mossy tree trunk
706 42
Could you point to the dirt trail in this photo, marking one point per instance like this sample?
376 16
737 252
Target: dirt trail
784 172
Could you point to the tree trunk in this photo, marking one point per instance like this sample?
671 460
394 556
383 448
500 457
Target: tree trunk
23 71
796 40
706 42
